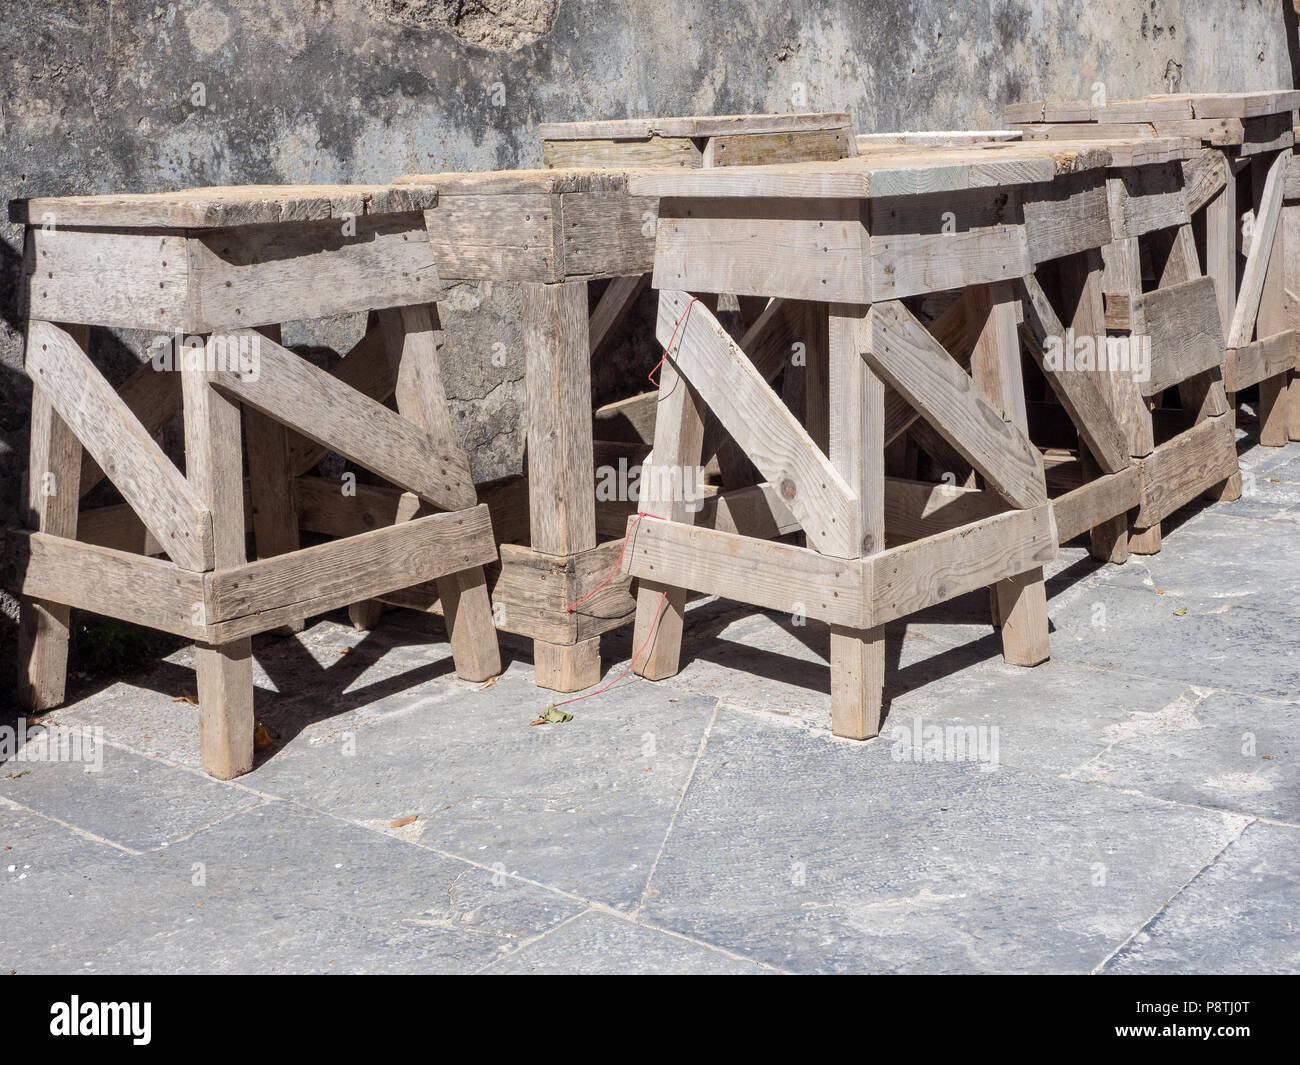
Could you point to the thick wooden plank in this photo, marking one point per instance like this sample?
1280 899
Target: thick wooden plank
1093 502
221 206
751 149
1259 360
645 151
1066 216
260 275
413 336
693 126
1079 393
495 237
811 251
1177 472
917 575
561 489
1204 177
756 418
117 584
1221 247
53 467
258 595
1019 601
65 277
1272 317
1145 199
363 368
907 357
942 138
857 448
224 668
935 262
1268 212
1186 336
606 233
313 402
905 173
560 455
769 575
679 438
147 479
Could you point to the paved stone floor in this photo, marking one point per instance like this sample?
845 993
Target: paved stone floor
1131 806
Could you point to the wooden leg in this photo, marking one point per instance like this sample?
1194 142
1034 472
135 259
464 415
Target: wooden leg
567 667
1221 235
271 485
413 336
1145 541
1123 273
679 440
1107 542
365 615
857 450
53 491
1272 319
1290 237
214 467
561 464
995 369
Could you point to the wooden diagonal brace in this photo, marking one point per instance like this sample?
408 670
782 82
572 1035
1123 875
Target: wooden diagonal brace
904 353
123 448
756 418
319 406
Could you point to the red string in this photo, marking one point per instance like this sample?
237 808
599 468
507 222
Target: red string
599 691
651 374
653 625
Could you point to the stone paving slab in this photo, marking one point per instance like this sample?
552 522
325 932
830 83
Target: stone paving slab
1237 916
820 855
599 944
274 889
135 802
583 806
1228 645
1224 750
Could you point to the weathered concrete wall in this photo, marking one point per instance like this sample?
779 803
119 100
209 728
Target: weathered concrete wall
144 95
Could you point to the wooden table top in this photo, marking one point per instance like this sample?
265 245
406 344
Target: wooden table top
218 207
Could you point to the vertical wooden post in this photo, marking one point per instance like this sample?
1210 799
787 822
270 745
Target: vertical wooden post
857 450
1083 274
214 466
1289 235
679 437
995 369
1272 317
412 336
1123 276
271 484
53 493
561 474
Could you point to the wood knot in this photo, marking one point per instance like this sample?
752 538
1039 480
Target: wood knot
787 489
